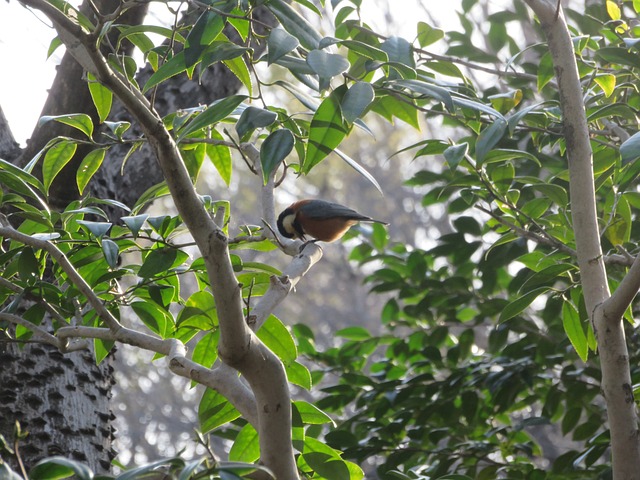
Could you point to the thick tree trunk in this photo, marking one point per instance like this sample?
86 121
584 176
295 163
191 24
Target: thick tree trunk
62 401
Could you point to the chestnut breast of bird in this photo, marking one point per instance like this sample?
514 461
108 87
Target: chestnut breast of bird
322 220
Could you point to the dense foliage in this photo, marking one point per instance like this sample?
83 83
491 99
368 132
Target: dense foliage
487 336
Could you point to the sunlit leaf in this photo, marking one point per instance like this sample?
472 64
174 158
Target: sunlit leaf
89 166
55 160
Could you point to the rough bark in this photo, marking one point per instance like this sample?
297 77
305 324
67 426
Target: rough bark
62 401
606 311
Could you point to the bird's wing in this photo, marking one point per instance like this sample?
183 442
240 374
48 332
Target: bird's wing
321 209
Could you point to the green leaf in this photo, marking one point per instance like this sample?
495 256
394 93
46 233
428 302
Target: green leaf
220 156
172 67
278 338
203 33
428 35
88 167
60 467
239 68
630 149
158 261
252 118
295 24
215 112
80 121
311 414
607 83
455 154
554 192
328 129
279 44
356 334
246 447
206 351
154 317
111 252
423 88
358 168
220 51
28 266
573 328
327 466
274 150
101 96
399 50
618 56
97 229
55 160
327 65
214 410
134 223
23 176
517 306
356 101
299 375
545 71
489 137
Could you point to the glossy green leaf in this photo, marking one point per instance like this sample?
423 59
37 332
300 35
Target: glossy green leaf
428 35
246 447
311 414
327 65
358 168
80 121
630 149
220 156
55 160
356 101
328 129
101 96
97 229
206 351
215 112
489 137
573 328
204 31
220 51
423 88
518 305
158 261
295 24
299 375
174 66
239 68
60 467
154 317
455 154
111 252
278 338
252 118
134 223
88 167
214 410
274 150
279 44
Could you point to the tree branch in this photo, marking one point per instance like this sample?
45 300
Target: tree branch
614 357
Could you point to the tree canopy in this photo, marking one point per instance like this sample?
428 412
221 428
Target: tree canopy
511 328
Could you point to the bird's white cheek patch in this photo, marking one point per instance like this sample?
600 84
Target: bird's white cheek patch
287 223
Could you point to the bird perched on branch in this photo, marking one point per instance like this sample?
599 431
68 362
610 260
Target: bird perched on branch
323 221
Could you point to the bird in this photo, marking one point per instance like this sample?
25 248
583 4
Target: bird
322 220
